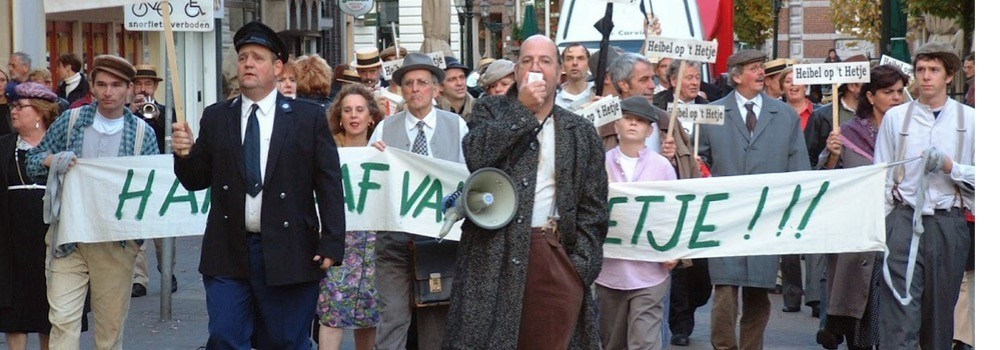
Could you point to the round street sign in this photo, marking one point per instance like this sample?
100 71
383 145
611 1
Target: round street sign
356 7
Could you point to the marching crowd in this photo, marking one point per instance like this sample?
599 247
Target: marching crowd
280 271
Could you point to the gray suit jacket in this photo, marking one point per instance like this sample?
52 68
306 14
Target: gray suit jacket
777 146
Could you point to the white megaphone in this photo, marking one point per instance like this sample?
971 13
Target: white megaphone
488 199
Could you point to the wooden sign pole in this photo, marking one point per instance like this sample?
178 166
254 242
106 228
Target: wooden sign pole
836 107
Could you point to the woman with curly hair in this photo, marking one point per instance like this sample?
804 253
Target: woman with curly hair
314 77
348 299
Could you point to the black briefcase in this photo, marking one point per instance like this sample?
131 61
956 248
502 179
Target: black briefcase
434 271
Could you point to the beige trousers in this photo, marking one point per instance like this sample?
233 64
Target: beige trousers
631 319
965 310
107 269
141 273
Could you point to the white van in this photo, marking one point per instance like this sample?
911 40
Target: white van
678 19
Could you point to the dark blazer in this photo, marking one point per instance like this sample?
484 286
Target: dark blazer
302 160
486 302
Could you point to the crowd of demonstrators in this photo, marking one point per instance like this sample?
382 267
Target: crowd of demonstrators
921 289
330 280
23 305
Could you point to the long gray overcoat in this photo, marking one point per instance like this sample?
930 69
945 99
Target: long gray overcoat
777 146
492 265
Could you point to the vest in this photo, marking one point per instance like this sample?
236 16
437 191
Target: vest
445 144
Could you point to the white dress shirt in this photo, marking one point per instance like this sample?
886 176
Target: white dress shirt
545 178
926 131
265 119
430 121
741 104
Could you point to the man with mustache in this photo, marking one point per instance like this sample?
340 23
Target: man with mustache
761 136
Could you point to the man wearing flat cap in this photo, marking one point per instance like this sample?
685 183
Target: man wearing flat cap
391 54
920 289
761 135
104 129
455 95
277 217
422 129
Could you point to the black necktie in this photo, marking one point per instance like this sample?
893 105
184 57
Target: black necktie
251 153
751 117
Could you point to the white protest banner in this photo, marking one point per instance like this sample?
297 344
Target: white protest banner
53 6
681 49
185 16
390 67
113 199
603 111
805 212
624 2
831 73
699 114
903 66
438 58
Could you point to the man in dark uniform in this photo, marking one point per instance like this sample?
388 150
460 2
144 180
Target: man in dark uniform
262 153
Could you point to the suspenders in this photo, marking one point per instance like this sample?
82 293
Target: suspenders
140 132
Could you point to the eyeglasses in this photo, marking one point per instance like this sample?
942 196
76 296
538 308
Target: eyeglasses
18 106
419 83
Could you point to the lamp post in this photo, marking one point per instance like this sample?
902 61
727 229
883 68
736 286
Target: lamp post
776 4
465 18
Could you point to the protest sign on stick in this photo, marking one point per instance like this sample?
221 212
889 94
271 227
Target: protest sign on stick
606 110
832 73
681 49
697 115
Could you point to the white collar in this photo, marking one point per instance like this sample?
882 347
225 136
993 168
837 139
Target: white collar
265 104
742 101
430 119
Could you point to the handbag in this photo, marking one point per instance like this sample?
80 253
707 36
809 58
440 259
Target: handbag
433 271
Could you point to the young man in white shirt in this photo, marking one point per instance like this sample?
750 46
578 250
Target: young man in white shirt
918 305
576 88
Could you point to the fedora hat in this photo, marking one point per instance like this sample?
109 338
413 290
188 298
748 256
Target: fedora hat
417 61
146 71
367 58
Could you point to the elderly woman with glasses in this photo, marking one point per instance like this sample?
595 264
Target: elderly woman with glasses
23 305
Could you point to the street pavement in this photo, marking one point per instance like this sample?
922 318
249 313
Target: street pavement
187 327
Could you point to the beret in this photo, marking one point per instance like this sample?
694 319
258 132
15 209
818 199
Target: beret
35 90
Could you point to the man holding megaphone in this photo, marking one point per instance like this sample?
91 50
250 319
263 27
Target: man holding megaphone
525 285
